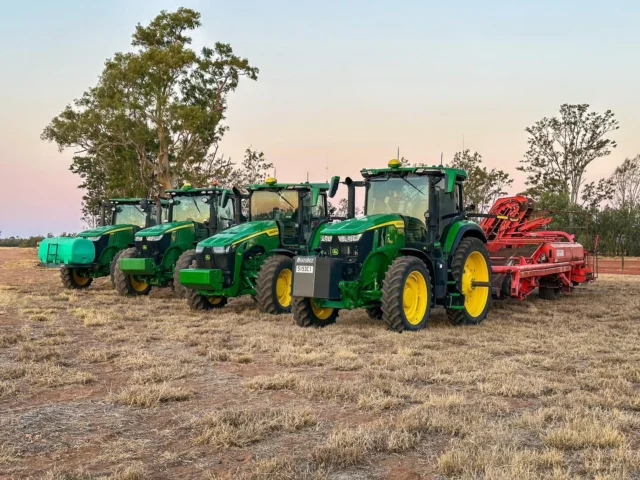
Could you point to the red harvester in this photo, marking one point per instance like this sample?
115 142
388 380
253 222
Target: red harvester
525 257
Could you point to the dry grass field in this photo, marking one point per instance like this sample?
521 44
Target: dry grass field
96 386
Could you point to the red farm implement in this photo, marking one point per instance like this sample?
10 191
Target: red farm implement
524 256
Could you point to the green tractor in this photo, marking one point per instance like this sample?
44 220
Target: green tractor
159 251
256 258
414 249
93 253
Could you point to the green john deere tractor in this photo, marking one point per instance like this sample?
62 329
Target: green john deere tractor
194 214
414 249
256 258
93 253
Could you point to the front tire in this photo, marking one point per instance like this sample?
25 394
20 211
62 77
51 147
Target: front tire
406 295
471 264
273 286
112 268
127 285
73 280
307 313
184 261
197 301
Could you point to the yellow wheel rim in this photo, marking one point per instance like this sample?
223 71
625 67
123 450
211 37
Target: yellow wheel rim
137 285
321 313
415 297
78 279
283 287
214 300
475 270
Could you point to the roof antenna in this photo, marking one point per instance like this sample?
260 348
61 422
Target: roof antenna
398 157
326 167
307 177
441 153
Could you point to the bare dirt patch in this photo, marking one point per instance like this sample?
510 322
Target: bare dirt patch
93 385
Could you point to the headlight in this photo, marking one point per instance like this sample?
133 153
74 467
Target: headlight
155 238
326 238
349 238
199 249
221 249
139 239
93 239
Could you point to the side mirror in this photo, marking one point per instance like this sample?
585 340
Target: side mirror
144 203
333 186
223 199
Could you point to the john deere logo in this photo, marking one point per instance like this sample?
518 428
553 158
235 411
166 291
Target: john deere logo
207 257
334 251
144 247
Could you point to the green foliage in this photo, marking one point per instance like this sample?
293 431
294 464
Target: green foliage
155 116
561 148
482 187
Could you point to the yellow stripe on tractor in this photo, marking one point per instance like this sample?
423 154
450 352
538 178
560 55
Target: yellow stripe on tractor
396 223
272 232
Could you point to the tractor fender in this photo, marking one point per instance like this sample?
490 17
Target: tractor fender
460 230
283 251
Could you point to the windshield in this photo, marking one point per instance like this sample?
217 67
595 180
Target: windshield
129 215
408 196
270 205
194 208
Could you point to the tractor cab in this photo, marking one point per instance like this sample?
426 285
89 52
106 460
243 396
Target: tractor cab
193 215
296 209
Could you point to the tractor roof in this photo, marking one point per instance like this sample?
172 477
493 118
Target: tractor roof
187 189
272 183
395 166
134 200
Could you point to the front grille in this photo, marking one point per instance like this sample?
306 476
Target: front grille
154 250
219 261
352 255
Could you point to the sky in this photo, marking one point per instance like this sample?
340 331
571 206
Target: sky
342 84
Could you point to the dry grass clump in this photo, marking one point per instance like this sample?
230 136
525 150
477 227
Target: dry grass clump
238 428
47 374
150 395
7 389
98 355
28 352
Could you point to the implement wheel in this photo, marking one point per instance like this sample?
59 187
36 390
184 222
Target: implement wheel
73 279
126 284
273 286
112 268
406 295
307 313
184 261
471 267
202 302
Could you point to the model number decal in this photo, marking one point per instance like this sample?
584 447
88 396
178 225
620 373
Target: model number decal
304 268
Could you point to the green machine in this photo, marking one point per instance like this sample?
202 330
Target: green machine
194 214
256 258
93 253
414 249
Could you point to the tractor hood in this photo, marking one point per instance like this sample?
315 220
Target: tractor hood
354 226
107 229
240 233
163 228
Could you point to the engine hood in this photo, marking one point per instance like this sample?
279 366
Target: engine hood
164 228
105 230
240 233
354 226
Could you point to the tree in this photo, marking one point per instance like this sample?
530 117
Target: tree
155 117
561 148
482 186
253 169
625 182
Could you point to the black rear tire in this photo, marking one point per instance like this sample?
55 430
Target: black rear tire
112 268
125 284
73 279
306 314
184 261
197 301
549 293
273 286
467 247
407 278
